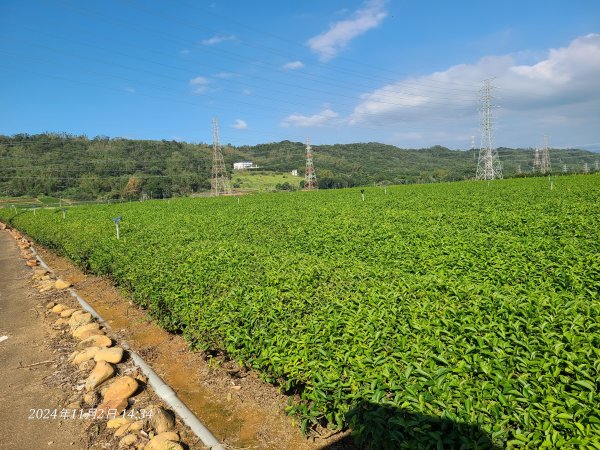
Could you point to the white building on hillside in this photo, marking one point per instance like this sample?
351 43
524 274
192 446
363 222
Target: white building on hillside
243 165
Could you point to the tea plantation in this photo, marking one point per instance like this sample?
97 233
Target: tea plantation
463 315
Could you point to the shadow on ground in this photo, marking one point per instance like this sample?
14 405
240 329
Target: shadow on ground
382 427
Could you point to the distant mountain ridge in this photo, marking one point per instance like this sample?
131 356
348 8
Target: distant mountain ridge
371 162
83 168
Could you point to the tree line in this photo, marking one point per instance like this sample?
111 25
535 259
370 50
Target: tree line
103 168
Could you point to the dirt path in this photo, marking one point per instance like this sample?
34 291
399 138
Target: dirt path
56 391
22 389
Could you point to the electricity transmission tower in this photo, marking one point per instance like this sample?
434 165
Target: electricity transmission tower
219 181
537 162
586 168
545 163
310 178
488 165
564 169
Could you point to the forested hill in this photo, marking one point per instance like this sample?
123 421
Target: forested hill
87 169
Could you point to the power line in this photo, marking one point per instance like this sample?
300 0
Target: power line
359 114
170 99
378 98
375 99
43 177
254 45
290 41
228 54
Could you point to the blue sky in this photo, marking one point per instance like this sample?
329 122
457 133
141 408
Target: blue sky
400 72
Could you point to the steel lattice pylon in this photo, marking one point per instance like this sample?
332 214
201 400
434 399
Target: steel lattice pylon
488 164
537 162
310 178
219 181
545 166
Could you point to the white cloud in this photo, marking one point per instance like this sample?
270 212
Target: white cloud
240 124
293 65
566 75
325 117
185 51
559 91
218 39
578 62
328 44
199 84
199 80
246 92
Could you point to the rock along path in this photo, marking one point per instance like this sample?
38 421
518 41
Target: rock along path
48 406
22 389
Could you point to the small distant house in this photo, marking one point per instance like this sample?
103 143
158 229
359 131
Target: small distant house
295 172
243 165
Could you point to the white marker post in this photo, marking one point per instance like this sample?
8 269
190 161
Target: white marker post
117 220
362 192
64 210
